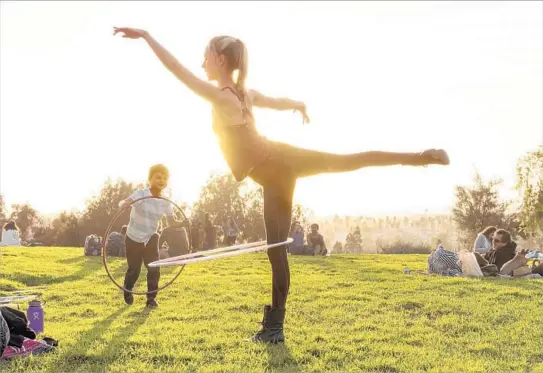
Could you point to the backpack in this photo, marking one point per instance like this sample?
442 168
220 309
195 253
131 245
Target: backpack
115 245
444 262
93 245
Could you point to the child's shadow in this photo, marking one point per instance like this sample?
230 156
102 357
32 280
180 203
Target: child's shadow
81 351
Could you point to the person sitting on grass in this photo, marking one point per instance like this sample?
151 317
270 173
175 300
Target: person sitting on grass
315 241
297 235
210 233
176 237
115 243
231 231
483 242
503 249
196 236
10 234
141 240
124 228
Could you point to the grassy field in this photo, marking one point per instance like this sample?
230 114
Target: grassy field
345 313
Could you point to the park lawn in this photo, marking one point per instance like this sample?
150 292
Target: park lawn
346 313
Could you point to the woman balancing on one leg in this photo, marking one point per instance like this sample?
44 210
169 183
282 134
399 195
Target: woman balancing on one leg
273 165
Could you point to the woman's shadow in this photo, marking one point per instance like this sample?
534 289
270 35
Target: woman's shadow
280 358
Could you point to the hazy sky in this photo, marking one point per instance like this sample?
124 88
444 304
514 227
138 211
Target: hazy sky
78 105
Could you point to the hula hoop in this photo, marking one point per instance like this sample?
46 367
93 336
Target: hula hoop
106 236
206 252
5 300
201 256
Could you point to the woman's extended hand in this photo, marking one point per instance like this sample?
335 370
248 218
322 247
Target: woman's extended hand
302 109
131 33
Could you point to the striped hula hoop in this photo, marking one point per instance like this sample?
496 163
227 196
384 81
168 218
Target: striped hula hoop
222 252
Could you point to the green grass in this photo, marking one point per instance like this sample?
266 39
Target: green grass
345 313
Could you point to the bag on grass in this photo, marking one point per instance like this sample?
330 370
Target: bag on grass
444 262
93 245
115 245
469 264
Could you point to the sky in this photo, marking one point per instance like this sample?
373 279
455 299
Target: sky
78 105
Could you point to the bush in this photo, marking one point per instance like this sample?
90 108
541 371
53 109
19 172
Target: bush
402 247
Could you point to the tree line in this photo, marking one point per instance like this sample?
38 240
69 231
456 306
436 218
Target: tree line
475 207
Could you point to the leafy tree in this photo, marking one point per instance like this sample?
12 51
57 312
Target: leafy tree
64 230
69 232
530 187
3 212
101 209
254 229
223 196
300 214
353 241
26 218
479 206
338 247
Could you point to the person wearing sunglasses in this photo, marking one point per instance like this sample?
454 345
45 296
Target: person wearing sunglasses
503 249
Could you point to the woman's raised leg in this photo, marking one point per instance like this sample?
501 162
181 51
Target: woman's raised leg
306 162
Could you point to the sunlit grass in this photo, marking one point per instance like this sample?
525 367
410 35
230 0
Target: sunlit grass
345 313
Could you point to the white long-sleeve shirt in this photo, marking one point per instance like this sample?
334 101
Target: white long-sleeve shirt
482 245
10 238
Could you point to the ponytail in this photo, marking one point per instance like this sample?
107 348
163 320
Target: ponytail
242 65
236 54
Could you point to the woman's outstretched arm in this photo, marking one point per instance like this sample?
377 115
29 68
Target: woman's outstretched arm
263 101
202 88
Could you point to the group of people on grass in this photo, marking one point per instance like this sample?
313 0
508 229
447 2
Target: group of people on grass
313 244
495 253
496 246
209 235
173 239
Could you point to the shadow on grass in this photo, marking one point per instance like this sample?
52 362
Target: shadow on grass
83 357
280 358
31 280
87 266
120 342
73 260
69 357
84 267
119 272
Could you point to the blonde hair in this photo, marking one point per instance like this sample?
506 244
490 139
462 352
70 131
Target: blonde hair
235 52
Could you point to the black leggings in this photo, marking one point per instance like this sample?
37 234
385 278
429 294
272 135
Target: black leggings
138 253
278 178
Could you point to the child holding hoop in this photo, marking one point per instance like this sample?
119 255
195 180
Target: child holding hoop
275 166
141 240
